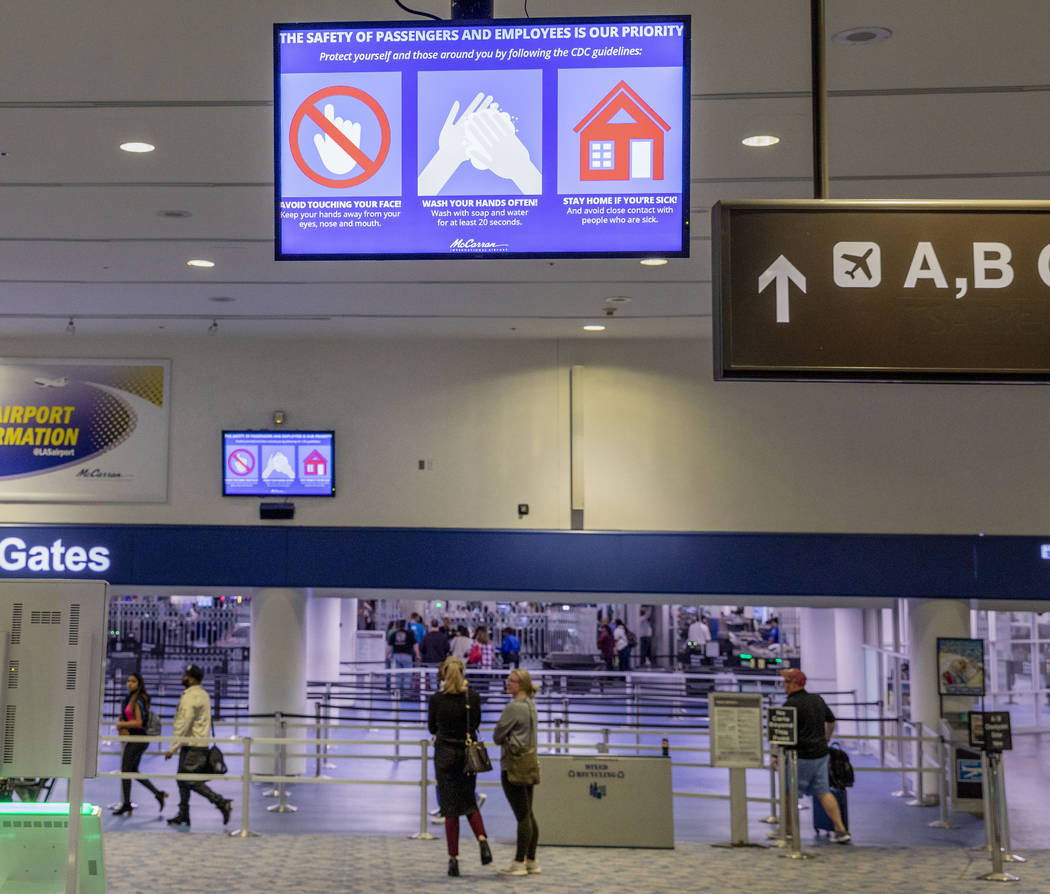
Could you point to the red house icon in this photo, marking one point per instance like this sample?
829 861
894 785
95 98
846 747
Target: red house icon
631 147
315 464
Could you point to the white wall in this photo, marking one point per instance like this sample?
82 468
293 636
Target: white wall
666 447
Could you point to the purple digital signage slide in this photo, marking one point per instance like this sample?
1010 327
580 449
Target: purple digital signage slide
278 463
512 138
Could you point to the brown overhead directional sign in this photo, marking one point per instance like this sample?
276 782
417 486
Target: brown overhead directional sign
873 290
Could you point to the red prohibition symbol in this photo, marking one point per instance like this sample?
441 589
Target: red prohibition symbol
309 109
241 462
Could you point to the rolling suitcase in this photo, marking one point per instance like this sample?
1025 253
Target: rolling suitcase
821 820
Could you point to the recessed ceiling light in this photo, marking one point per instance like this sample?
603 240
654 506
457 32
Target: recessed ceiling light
199 262
856 36
618 299
174 212
594 327
222 299
653 262
760 140
137 146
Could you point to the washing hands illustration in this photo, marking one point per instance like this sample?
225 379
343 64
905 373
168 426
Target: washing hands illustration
334 156
492 143
278 464
484 135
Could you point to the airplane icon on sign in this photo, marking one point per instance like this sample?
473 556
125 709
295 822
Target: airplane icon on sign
859 262
858 265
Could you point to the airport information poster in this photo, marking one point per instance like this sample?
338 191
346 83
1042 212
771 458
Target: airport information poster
518 138
84 430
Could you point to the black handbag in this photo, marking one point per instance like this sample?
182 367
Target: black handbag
476 757
216 761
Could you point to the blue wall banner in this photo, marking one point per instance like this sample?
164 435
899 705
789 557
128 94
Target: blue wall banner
77 431
571 563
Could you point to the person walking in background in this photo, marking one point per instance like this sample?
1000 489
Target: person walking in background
816 723
461 644
623 645
515 733
193 721
434 649
510 648
606 646
453 713
133 723
645 637
415 624
401 648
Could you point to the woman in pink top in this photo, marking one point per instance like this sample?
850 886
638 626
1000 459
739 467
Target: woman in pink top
133 723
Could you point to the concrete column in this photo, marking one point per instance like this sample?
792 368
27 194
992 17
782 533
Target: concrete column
277 669
817 649
927 620
849 667
348 630
323 616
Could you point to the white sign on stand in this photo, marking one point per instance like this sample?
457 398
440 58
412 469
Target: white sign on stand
735 720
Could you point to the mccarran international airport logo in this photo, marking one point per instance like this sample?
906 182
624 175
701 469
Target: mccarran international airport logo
474 245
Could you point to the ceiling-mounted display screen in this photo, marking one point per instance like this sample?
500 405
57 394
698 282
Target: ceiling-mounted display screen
499 138
278 463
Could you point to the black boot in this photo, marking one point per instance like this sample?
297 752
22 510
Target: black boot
453 866
180 819
124 808
486 852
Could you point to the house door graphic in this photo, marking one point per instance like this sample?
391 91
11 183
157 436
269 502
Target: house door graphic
641 165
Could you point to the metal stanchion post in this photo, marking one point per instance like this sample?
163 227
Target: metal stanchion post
989 763
791 758
282 806
1004 818
772 818
905 789
317 733
943 788
246 791
882 738
397 725
920 797
423 834
275 792
781 833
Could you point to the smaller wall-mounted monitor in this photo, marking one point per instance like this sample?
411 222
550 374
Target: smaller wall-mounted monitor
278 463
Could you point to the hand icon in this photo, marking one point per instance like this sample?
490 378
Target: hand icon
451 152
278 464
492 143
334 156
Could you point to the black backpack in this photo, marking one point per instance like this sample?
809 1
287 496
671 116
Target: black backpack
840 770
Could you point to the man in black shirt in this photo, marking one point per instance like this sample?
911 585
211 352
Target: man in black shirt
435 645
815 726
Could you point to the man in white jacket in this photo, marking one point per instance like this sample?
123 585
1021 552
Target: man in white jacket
193 720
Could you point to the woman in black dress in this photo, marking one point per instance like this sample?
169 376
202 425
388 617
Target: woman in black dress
453 711
133 723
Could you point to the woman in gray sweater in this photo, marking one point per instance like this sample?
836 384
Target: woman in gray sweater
515 733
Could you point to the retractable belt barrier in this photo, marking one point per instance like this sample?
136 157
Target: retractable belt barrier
320 745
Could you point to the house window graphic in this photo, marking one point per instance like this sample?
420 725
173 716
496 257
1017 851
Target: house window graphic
622 138
315 465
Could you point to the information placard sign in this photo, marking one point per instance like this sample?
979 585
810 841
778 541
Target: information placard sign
997 734
876 290
782 726
736 729
84 430
500 138
960 666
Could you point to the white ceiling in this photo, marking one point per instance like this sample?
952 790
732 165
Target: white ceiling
954 105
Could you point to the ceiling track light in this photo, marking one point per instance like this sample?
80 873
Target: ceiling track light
213 328
71 327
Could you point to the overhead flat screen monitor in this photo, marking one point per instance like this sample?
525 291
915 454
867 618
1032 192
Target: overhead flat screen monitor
513 138
278 463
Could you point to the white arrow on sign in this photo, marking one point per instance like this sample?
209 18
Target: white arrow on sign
783 272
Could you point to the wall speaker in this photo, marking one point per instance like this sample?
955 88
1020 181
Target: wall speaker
277 510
